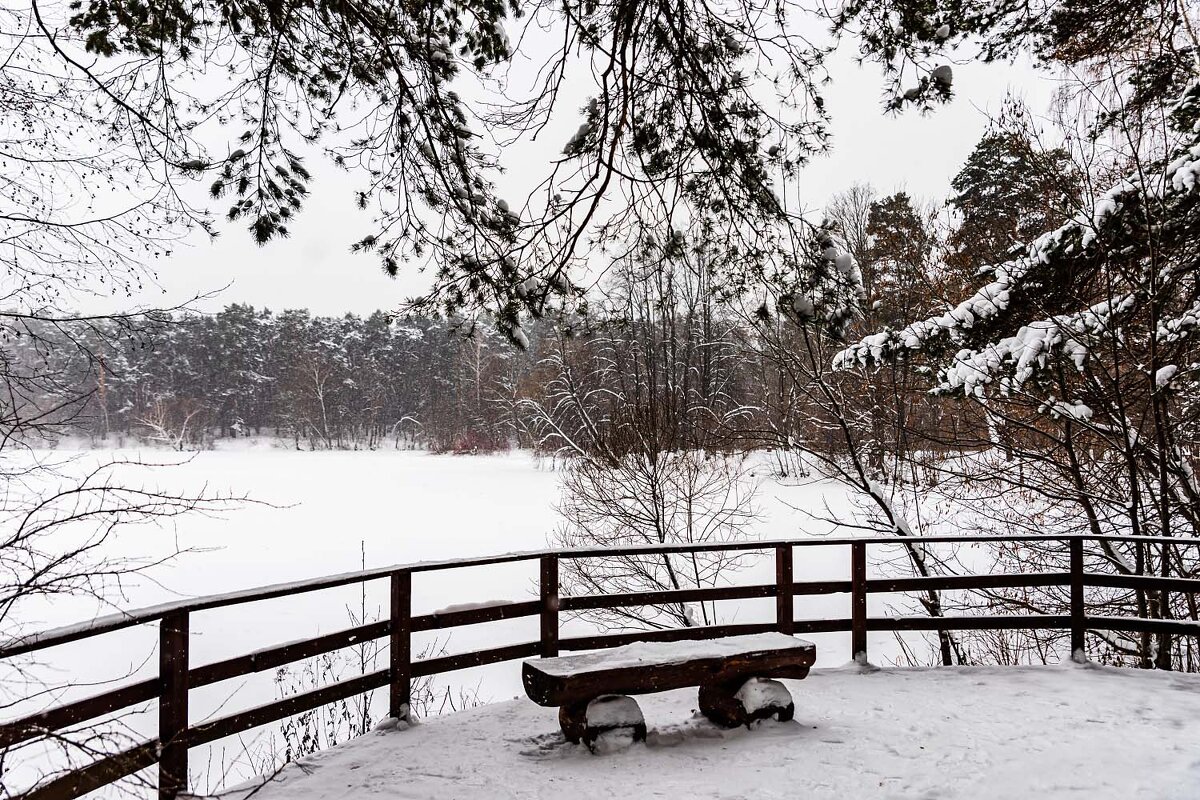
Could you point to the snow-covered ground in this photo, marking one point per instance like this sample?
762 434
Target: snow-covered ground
972 733
328 512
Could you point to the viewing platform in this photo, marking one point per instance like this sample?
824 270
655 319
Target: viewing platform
1068 731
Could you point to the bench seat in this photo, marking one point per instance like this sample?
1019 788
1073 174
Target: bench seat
646 667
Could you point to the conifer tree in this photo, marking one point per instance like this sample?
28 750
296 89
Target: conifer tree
896 272
1007 193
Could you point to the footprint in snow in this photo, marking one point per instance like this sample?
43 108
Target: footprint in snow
543 746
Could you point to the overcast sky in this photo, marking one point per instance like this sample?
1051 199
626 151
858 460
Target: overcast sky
314 268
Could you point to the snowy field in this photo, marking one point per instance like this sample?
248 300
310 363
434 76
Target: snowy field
328 512
961 733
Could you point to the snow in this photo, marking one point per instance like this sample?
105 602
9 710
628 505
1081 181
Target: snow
612 710
759 693
613 741
408 507
985 733
1023 354
1029 349
1060 409
639 653
803 307
457 607
1173 329
1164 375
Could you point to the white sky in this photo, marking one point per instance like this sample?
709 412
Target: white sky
314 269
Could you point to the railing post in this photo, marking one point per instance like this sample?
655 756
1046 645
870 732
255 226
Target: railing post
401 645
858 601
549 595
1078 623
785 612
173 705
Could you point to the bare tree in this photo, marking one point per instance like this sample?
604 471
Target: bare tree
681 497
639 403
81 213
826 418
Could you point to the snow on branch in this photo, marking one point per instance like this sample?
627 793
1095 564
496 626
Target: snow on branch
1031 348
1048 263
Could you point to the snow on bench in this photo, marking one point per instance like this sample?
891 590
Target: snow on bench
666 653
733 674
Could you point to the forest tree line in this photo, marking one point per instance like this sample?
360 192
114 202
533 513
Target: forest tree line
661 342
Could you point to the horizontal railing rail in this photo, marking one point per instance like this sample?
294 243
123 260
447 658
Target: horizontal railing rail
128 619
177 677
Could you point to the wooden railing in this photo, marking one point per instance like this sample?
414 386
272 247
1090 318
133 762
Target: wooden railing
177 676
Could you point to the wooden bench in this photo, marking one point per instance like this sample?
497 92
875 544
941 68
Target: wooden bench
734 674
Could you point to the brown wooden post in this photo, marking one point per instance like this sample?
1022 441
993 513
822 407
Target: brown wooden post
785 610
549 592
173 705
858 601
401 645
1078 623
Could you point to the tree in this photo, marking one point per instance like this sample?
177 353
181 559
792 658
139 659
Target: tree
294 74
898 281
693 119
828 418
849 213
686 123
62 518
643 405
240 336
1008 192
897 270
1080 346
669 497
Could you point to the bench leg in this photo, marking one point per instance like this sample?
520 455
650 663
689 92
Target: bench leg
735 703
586 721
573 721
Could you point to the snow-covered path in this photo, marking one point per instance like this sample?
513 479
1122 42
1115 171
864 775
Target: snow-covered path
983 732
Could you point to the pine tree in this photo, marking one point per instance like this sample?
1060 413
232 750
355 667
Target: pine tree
1006 194
896 270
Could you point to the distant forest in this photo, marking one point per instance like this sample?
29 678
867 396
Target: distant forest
318 382
355 382
663 360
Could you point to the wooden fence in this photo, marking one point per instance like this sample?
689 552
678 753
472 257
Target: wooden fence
169 751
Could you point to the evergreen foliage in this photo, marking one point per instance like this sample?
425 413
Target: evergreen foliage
1009 192
897 271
